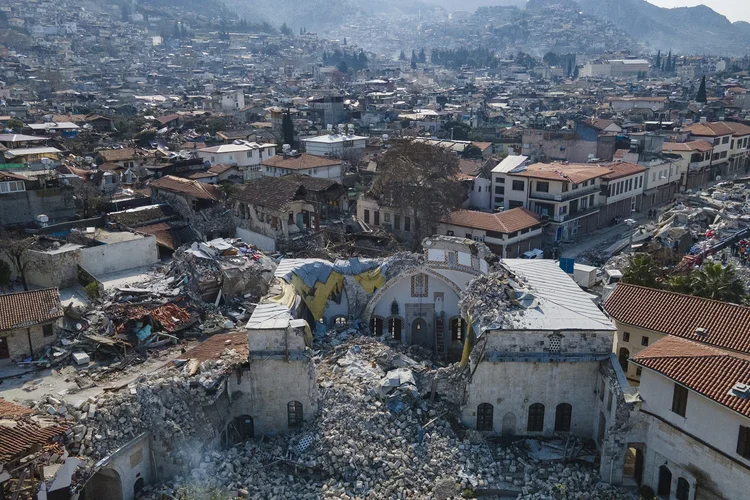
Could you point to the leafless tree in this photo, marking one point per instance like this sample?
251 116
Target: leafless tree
15 249
90 197
420 180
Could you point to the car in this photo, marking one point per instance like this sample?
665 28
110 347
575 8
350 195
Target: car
533 254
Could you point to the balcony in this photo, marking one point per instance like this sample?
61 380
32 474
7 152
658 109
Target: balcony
568 195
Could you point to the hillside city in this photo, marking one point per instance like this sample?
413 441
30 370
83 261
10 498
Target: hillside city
274 250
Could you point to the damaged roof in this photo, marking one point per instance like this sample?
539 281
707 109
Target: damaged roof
188 187
505 222
21 434
25 309
279 192
303 161
142 215
214 346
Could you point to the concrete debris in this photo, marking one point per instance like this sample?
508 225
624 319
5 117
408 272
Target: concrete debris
378 437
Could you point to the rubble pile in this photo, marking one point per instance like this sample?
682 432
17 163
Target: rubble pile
381 434
489 298
168 403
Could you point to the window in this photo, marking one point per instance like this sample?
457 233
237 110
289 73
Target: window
536 418
513 234
367 216
250 154
499 189
397 222
638 371
407 224
601 390
12 187
609 401
500 180
743 442
555 342
485 413
515 204
517 186
376 219
644 341
725 140
626 336
499 199
542 187
683 489
723 154
562 417
679 400
575 186
294 414
457 326
479 189
623 358
564 187
47 330
468 236
386 217
419 285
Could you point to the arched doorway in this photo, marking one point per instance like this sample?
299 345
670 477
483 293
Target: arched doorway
664 487
509 424
563 414
106 483
623 357
633 467
140 483
238 430
419 333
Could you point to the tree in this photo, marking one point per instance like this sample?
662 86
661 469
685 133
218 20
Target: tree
286 30
701 97
471 152
15 125
5 273
402 56
287 129
641 271
657 61
420 180
90 198
681 284
15 249
343 67
458 131
422 57
714 281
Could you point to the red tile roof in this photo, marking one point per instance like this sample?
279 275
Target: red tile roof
506 222
20 433
740 129
699 145
24 309
727 325
300 162
709 129
623 169
706 370
572 172
188 187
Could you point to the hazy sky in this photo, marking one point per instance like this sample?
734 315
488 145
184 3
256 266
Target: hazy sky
734 10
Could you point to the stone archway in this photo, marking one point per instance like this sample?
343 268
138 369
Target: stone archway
106 483
509 424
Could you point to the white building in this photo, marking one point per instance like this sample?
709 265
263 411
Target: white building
500 188
305 164
696 407
337 145
240 153
233 100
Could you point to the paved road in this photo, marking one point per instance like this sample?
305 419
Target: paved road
598 238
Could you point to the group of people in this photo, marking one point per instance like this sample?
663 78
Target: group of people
741 249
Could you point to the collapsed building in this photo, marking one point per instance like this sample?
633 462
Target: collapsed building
527 344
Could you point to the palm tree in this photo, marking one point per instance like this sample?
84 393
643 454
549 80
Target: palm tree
682 283
641 271
713 281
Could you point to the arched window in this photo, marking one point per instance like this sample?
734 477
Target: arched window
394 327
624 356
339 322
562 417
485 413
294 414
376 325
458 329
683 489
536 418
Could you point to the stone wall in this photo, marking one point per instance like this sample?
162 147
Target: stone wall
20 208
18 341
528 342
210 223
120 256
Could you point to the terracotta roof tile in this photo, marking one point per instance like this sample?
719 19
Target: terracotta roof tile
709 129
699 145
214 346
24 309
300 162
506 222
19 432
708 371
727 325
623 169
740 129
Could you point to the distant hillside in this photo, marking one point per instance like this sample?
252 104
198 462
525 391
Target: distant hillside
692 30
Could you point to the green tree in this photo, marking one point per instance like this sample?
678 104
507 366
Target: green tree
641 271
402 56
471 152
15 125
681 284
286 30
420 181
458 131
702 97
287 129
714 281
